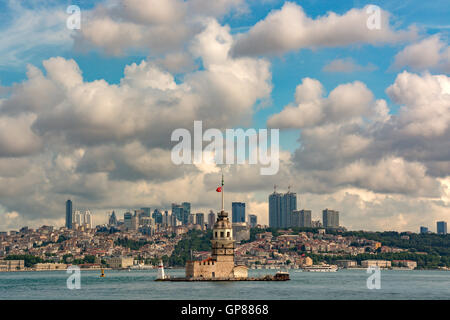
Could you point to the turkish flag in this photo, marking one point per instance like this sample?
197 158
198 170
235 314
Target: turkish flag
219 189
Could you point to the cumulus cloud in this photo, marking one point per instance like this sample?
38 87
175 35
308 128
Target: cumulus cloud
431 53
347 65
157 27
291 29
311 109
147 104
349 139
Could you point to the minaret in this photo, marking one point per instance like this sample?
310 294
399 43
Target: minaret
222 241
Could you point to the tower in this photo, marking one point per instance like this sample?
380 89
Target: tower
222 242
69 214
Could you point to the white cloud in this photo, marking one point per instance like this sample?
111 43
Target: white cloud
428 54
291 29
344 103
347 65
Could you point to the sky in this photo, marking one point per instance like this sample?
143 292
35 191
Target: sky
360 94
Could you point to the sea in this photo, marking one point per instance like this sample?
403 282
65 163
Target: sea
140 285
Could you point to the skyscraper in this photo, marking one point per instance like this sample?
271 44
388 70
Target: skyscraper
301 218
441 227
178 211
275 210
305 218
87 219
423 230
200 219
127 220
238 211
112 219
211 219
330 218
157 216
253 220
288 204
69 214
186 212
146 212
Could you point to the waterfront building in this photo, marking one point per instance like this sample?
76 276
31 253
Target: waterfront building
12 265
119 262
441 227
346 263
221 264
330 218
69 214
376 263
238 212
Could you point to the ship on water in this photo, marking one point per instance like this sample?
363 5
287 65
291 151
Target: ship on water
221 265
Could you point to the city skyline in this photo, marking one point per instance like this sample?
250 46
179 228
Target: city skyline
360 99
299 218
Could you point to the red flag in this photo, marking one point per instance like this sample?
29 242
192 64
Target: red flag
219 189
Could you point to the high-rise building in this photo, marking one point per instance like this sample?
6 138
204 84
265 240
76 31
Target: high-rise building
146 212
330 218
178 211
211 219
441 227
157 216
112 220
186 212
87 219
275 210
78 219
166 218
200 219
127 220
253 220
301 218
423 230
238 212
305 219
191 219
288 204
69 214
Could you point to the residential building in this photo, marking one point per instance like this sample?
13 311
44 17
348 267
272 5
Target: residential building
330 218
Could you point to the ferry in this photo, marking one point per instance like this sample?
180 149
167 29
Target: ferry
321 268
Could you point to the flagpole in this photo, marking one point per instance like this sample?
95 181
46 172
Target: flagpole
222 194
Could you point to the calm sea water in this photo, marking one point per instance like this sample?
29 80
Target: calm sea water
344 284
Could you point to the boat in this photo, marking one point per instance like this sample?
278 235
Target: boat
321 268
